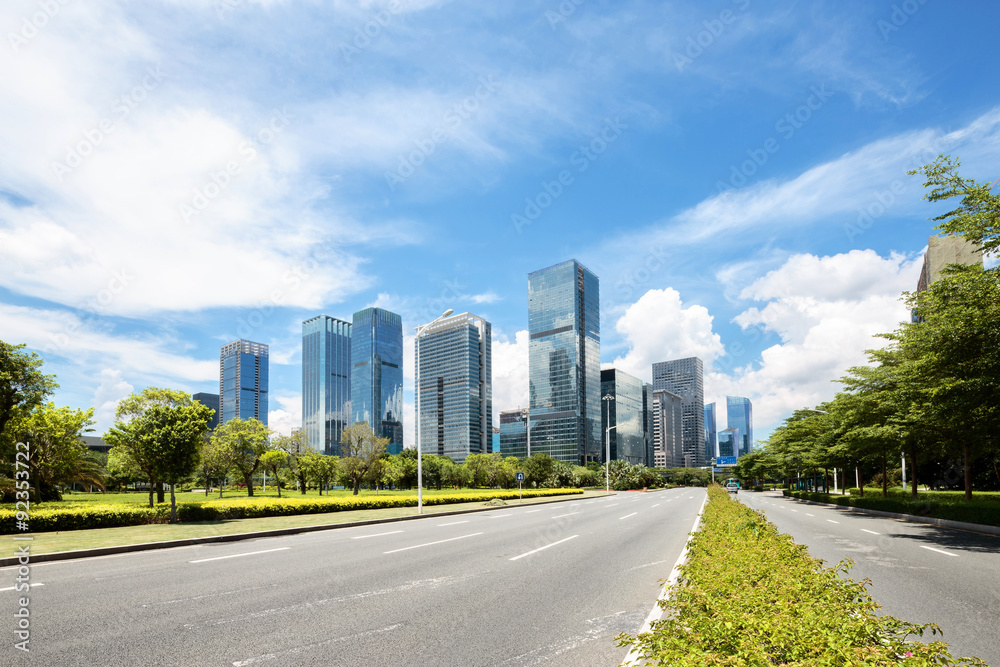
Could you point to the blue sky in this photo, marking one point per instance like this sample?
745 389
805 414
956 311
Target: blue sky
178 174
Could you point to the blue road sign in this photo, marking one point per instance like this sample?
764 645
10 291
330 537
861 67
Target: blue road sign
520 476
725 461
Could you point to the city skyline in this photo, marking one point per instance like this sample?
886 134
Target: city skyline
744 200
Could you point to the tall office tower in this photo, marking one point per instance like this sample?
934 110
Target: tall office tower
455 381
739 414
564 362
377 374
649 423
668 429
684 378
728 444
326 381
209 401
711 432
513 434
627 437
943 250
243 381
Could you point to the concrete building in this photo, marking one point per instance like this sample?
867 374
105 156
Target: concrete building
684 377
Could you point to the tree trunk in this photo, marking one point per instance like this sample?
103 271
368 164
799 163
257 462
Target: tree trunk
913 484
161 494
151 485
967 464
249 480
302 483
357 485
861 482
173 505
276 482
885 477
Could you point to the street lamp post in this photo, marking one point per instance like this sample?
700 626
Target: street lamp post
607 447
416 354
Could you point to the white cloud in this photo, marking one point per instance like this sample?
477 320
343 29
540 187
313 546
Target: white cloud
826 311
112 389
287 416
510 372
658 327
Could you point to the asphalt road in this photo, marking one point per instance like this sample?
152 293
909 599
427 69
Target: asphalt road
919 573
550 584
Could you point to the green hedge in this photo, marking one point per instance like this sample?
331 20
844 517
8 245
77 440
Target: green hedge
751 596
985 512
52 517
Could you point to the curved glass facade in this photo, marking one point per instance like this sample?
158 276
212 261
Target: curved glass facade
377 373
564 362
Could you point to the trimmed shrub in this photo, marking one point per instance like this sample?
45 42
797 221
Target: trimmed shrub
751 596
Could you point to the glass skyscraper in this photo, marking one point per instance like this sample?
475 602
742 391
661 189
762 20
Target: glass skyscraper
326 381
377 374
564 362
455 381
739 414
209 401
711 431
668 430
728 442
243 381
513 435
627 440
684 378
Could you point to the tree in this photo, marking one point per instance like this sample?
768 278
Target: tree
319 468
537 469
360 448
296 446
977 217
216 462
243 442
58 456
23 386
160 432
273 461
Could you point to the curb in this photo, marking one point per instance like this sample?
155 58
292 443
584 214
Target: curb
911 518
236 537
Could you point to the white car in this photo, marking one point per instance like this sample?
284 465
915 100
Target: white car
732 488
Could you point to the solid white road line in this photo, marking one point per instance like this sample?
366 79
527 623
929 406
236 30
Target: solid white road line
11 588
559 516
417 546
865 530
534 551
250 553
455 523
939 551
627 516
364 537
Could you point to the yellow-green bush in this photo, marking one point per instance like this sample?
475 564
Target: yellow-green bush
52 516
751 596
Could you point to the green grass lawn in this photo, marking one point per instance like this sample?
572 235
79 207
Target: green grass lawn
110 537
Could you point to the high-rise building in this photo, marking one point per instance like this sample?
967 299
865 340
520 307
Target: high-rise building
668 430
455 381
243 381
739 414
649 423
326 381
564 362
711 431
943 250
728 444
627 438
209 401
513 434
684 378
377 374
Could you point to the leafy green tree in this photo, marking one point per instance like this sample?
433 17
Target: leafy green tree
320 469
273 461
977 217
243 442
159 431
23 386
537 469
58 456
433 469
478 466
216 462
360 448
296 446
